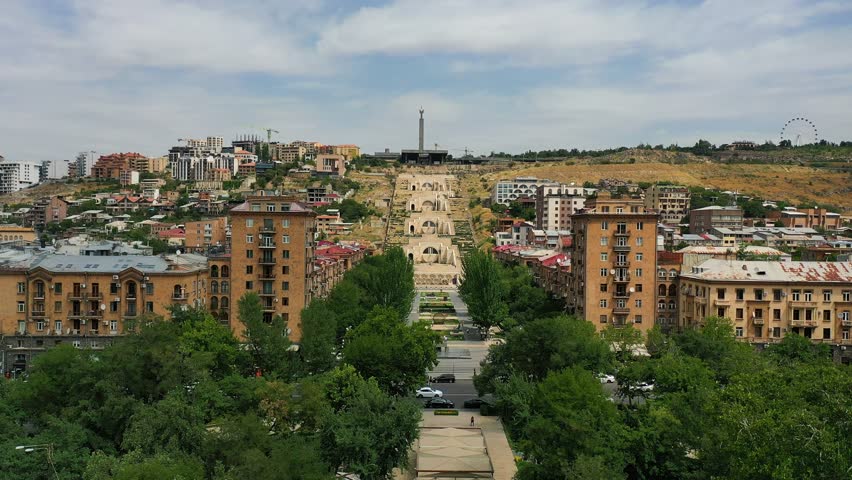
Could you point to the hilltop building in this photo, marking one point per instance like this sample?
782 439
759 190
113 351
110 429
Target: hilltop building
422 156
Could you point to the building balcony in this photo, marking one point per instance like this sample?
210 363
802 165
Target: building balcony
267 229
620 310
268 293
267 245
757 321
85 296
268 308
38 296
622 233
801 304
131 313
38 314
621 278
621 264
846 323
267 261
722 301
621 295
180 297
761 300
803 323
621 248
266 276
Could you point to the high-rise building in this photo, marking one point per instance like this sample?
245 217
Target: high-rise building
272 244
206 233
555 204
613 263
16 176
111 166
670 200
508 191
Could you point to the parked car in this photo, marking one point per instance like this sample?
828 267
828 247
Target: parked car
444 378
438 402
475 403
428 392
606 378
643 387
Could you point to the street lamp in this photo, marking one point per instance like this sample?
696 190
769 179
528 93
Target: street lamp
47 447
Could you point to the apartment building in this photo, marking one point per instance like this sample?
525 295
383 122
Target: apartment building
331 164
46 210
508 191
613 263
272 242
15 233
206 233
766 300
668 273
15 176
807 218
87 301
703 220
111 166
288 153
348 151
670 200
556 203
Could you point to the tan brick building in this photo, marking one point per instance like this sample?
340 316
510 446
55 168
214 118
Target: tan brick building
272 242
206 233
766 300
613 263
86 301
111 166
672 202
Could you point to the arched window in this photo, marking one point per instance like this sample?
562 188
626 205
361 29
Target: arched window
672 290
672 273
214 271
430 251
226 271
661 291
661 305
225 286
661 273
214 303
224 303
672 305
223 317
214 286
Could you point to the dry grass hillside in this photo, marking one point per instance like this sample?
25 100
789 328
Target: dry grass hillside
794 184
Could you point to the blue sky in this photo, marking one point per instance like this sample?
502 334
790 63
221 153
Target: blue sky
510 75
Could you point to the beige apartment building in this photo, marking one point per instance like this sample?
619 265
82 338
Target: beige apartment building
614 261
555 205
703 220
272 242
206 233
670 200
86 301
766 300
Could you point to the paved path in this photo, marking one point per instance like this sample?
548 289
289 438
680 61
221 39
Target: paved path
499 451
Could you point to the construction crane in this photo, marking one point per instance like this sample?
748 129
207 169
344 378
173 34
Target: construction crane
269 132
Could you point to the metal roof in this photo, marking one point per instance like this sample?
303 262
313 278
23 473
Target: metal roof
758 271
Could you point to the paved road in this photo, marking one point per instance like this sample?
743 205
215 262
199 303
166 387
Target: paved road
457 392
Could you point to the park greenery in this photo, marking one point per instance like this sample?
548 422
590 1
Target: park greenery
719 408
184 399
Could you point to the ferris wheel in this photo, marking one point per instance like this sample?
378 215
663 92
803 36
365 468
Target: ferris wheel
800 131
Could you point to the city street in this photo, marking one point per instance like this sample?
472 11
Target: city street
457 392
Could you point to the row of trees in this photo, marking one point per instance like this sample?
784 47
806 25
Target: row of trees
184 399
719 408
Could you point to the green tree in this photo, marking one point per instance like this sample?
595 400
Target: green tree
371 433
395 354
387 280
796 348
170 425
268 343
482 290
319 337
622 340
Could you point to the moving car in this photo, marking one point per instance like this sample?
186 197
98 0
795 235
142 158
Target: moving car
606 378
444 378
643 387
475 403
428 392
438 402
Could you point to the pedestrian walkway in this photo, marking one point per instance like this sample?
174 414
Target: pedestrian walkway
502 459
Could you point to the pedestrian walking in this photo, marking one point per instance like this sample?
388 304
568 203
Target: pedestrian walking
471 421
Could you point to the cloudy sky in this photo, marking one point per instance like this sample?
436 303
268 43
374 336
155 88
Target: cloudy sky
502 75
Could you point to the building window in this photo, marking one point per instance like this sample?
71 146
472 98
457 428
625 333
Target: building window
720 312
809 314
249 238
603 318
285 301
638 273
604 241
797 314
776 332
113 326
57 306
113 288
249 253
640 225
57 326
661 274
739 313
826 295
285 239
21 307
826 315
603 303
603 287
285 286
285 270
776 314
847 295
604 272
777 294
844 315
249 285
720 293
249 222
640 241
759 294
639 257
113 307
270 207
285 222
809 295
249 269
285 253
22 287
797 295
638 319
638 303
57 288
604 257
826 333
255 207
739 331
740 293
40 326
149 307
149 288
